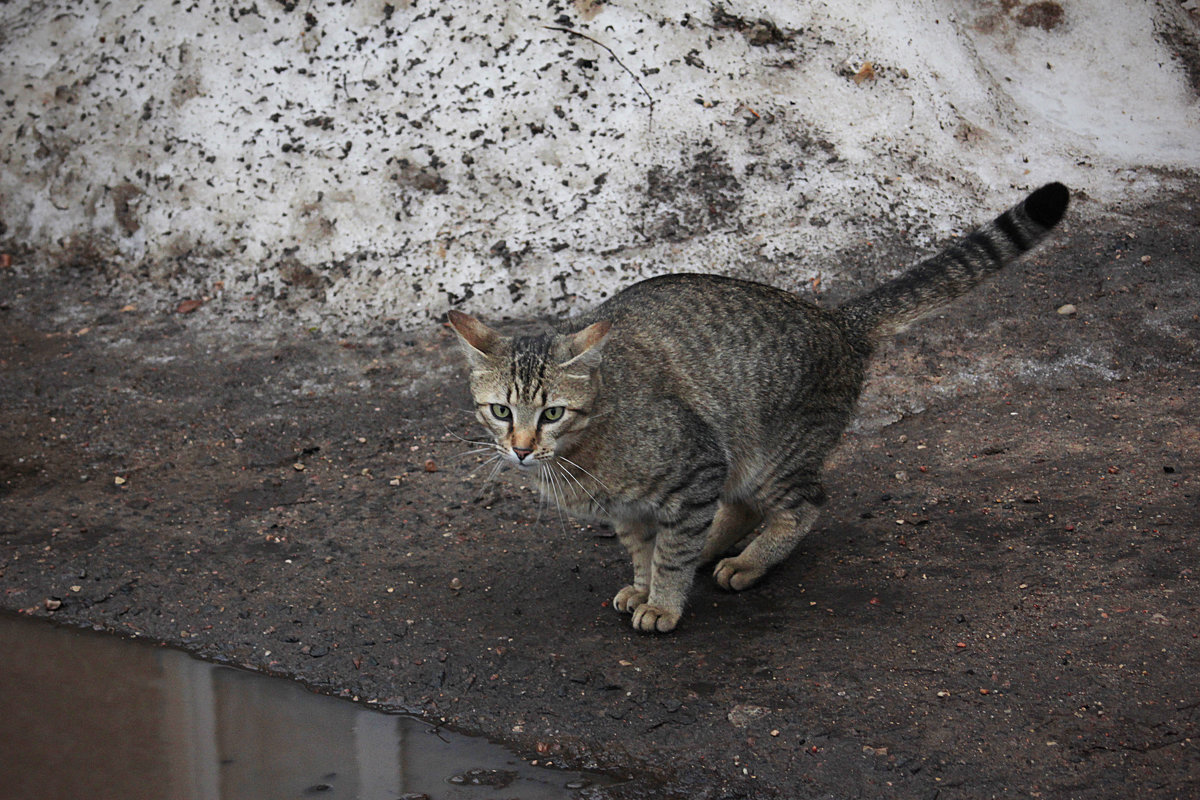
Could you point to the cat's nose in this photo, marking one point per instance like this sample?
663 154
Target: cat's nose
521 452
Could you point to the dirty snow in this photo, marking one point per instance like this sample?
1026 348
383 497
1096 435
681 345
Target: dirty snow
374 162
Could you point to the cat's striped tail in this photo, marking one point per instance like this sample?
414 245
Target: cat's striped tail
960 267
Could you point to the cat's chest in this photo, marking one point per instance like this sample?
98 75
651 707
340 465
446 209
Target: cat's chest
575 492
583 493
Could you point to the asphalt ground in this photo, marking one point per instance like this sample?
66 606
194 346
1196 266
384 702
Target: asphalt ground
998 601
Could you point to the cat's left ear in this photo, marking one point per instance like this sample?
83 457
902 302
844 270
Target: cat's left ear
477 339
584 347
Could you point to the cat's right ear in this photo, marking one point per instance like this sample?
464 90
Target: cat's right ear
477 339
584 347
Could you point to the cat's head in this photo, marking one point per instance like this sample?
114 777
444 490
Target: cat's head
534 393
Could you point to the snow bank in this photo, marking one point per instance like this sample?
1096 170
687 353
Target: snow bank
360 162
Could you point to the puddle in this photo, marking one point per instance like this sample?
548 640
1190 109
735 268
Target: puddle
86 714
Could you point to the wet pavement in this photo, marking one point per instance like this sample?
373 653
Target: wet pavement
998 601
88 714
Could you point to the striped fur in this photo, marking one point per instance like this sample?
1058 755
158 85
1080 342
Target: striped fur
961 266
692 410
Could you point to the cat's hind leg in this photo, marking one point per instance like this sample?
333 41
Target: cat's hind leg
784 530
734 521
638 538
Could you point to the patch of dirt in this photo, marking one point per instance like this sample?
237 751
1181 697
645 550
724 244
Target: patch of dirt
999 600
1045 15
1180 34
690 201
124 199
760 32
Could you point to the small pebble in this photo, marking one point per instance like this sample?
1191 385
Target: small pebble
1067 310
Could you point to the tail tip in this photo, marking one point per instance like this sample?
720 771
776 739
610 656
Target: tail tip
1047 205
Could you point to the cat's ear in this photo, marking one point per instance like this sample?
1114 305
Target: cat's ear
478 340
584 347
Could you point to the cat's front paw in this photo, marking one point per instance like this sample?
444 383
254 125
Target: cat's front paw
654 619
738 573
629 599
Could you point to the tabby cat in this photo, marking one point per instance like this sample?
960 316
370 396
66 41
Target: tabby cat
689 410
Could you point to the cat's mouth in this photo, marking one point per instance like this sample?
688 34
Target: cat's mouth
524 463
531 462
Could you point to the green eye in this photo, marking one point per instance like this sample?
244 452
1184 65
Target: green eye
499 411
553 414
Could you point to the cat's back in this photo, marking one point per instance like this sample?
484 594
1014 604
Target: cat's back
721 344
690 299
708 316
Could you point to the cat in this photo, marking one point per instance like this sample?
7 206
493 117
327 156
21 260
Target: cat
689 410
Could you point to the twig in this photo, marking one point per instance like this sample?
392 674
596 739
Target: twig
620 63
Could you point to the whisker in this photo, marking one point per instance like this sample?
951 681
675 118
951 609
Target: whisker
497 462
487 492
599 482
466 453
582 488
483 442
546 495
556 487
